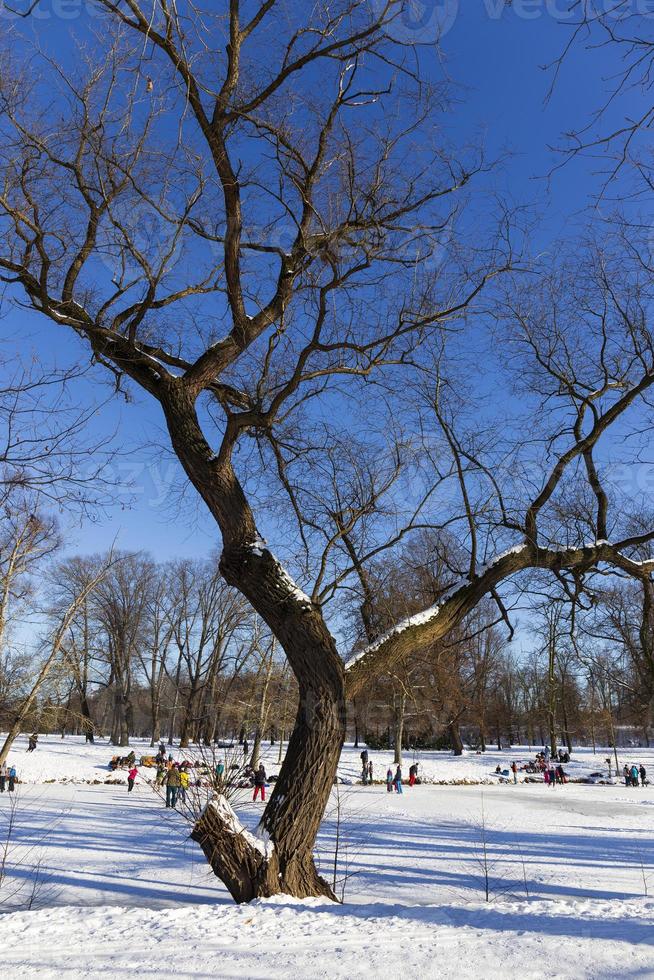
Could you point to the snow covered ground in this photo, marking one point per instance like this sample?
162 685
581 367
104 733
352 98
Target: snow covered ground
120 888
71 760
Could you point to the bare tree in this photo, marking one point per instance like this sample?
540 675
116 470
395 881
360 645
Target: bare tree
55 651
302 203
153 653
208 615
120 605
27 538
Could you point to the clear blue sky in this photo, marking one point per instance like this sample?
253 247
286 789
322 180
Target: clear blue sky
497 61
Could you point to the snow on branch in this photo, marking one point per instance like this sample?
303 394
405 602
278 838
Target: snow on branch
232 825
430 614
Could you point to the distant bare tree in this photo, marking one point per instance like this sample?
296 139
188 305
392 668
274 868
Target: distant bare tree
55 643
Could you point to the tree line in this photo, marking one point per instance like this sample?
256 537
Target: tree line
167 651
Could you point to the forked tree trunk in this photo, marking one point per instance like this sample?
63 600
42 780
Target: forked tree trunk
293 815
291 820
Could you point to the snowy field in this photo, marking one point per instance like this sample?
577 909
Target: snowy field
71 760
120 889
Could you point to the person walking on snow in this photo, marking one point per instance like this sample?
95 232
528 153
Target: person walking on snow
260 783
398 779
389 780
514 770
364 758
643 773
173 783
634 775
12 778
183 784
3 776
413 774
131 778
626 774
370 773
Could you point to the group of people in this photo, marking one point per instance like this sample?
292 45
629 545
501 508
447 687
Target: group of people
633 773
366 769
554 775
551 767
7 777
545 758
175 777
393 778
552 771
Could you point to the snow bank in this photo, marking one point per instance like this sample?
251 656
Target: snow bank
282 938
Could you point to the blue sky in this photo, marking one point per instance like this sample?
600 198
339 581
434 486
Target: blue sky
497 63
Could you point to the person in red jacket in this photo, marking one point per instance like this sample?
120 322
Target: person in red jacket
260 783
131 778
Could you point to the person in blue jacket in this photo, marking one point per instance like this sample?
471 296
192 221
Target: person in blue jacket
398 780
12 778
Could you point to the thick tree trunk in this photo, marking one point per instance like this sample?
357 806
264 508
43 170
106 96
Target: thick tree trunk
155 729
189 714
399 706
294 812
552 691
455 736
120 727
87 720
256 748
173 713
566 726
262 715
293 815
